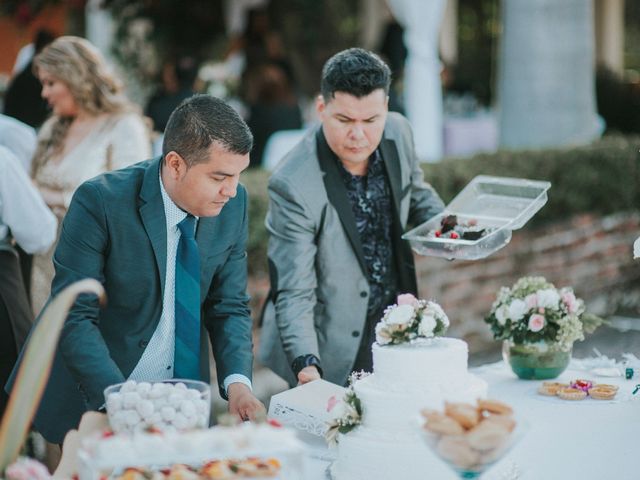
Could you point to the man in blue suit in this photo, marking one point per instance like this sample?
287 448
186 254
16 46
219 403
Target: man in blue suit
126 229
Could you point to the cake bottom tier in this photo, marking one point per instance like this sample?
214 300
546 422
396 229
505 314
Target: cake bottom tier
366 454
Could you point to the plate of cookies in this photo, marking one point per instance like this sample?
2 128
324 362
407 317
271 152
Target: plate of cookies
577 390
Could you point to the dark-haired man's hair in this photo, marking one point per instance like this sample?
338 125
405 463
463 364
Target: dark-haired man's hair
355 71
200 121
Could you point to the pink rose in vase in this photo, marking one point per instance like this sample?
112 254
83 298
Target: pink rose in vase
536 322
570 301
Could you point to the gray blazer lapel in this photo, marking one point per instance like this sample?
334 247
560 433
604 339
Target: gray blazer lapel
153 217
337 194
389 154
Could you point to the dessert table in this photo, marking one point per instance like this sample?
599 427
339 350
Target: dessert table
587 439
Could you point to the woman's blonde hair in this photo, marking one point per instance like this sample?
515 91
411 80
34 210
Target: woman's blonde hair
81 67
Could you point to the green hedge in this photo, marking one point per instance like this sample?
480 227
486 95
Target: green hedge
600 178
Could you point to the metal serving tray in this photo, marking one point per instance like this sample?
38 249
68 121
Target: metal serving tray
499 203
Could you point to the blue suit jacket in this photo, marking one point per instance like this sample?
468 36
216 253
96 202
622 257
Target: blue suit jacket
115 232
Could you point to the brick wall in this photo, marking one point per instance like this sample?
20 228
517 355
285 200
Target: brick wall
590 253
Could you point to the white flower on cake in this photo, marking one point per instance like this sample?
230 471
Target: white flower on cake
409 319
402 316
427 325
347 413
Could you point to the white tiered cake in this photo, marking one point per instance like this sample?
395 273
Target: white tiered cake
408 377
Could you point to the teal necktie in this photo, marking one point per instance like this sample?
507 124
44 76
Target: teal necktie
187 302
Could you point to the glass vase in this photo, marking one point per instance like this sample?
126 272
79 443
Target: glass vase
535 361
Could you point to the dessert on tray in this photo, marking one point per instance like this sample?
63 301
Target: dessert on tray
453 229
236 452
578 390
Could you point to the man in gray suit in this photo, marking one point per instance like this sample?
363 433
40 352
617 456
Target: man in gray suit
127 229
339 203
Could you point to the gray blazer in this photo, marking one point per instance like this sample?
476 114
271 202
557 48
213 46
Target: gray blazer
115 231
319 290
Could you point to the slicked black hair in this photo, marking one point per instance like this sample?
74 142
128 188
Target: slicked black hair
355 71
198 122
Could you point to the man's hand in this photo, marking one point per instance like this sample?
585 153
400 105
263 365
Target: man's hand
308 374
243 403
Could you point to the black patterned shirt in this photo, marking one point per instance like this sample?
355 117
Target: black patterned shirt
370 198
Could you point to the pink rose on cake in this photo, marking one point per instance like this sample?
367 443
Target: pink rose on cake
410 319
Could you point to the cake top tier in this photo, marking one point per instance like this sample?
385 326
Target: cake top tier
422 362
409 319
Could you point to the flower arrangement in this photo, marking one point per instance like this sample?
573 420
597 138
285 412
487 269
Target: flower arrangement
347 411
410 319
534 310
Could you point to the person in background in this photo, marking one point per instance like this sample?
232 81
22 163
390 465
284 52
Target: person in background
167 238
272 107
178 80
26 221
339 203
22 99
94 128
20 139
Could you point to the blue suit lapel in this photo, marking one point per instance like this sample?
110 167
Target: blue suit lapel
153 217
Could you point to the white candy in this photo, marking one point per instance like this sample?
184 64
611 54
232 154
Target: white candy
132 418
168 413
155 420
128 386
191 422
180 421
193 394
145 408
202 422
143 389
187 408
158 403
158 390
202 406
114 402
130 399
180 386
175 399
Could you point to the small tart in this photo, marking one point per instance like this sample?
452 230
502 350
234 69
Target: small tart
494 406
606 386
551 388
572 394
599 393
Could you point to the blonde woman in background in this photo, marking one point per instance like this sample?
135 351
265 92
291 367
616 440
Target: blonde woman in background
93 128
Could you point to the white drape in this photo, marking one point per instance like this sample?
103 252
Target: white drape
423 91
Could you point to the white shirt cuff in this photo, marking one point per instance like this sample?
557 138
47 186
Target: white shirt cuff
236 378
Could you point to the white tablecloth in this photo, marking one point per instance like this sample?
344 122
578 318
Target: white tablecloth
585 440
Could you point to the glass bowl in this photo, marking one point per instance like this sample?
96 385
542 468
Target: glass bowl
169 405
472 455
